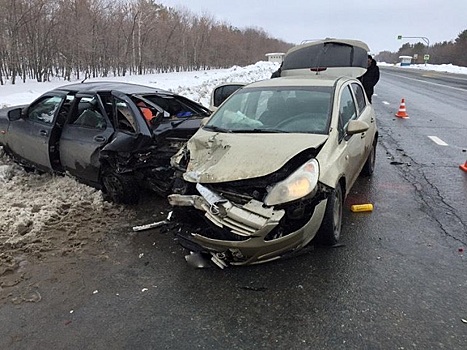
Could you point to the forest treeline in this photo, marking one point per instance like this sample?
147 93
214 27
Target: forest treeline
454 52
40 39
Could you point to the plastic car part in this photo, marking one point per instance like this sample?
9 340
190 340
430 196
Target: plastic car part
330 229
120 188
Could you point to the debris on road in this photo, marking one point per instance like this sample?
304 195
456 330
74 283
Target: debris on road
361 207
154 224
150 226
400 163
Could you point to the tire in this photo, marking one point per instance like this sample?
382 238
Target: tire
330 230
120 188
369 167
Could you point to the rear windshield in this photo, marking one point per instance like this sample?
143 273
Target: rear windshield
326 55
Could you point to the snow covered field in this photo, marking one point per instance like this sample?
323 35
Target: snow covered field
36 209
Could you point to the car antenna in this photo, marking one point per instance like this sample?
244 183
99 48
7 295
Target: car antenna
86 76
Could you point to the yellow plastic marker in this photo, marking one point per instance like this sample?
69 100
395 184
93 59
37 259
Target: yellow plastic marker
361 207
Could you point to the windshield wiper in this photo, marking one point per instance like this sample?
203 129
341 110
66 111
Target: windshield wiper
216 128
260 130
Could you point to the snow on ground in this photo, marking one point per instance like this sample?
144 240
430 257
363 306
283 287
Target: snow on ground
194 85
446 68
37 209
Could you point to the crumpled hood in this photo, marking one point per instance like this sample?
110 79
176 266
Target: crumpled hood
220 157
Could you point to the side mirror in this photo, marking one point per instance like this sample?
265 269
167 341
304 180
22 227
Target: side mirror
15 114
356 127
222 92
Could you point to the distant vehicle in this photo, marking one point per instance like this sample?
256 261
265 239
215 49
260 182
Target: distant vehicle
117 137
270 169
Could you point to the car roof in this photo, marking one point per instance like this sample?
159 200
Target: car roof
107 86
300 81
349 42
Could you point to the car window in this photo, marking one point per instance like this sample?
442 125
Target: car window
326 55
65 110
147 111
359 96
44 110
175 106
347 107
126 121
88 114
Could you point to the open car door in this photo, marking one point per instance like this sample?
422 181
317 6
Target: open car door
33 131
86 131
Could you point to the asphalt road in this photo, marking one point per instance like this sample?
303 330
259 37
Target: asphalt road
398 281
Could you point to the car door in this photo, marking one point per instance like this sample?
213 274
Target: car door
366 114
86 131
32 137
353 146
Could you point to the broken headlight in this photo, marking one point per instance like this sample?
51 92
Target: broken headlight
301 183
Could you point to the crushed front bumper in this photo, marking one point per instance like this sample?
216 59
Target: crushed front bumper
248 226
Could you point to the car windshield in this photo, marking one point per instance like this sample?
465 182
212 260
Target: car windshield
278 110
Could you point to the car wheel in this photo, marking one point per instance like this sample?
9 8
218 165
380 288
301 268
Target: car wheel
120 188
369 167
330 229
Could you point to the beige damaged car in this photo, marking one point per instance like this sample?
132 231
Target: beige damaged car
269 171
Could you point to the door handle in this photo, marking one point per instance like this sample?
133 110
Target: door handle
99 138
363 135
43 132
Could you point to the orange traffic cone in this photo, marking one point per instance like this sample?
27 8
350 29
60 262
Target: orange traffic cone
464 166
401 113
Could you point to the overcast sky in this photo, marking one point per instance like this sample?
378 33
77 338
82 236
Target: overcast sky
377 22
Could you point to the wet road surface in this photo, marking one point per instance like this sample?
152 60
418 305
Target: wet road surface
398 280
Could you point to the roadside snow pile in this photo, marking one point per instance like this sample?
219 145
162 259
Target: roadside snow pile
32 204
196 85
447 68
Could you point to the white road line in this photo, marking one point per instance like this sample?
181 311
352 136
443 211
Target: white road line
386 103
437 140
427 82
